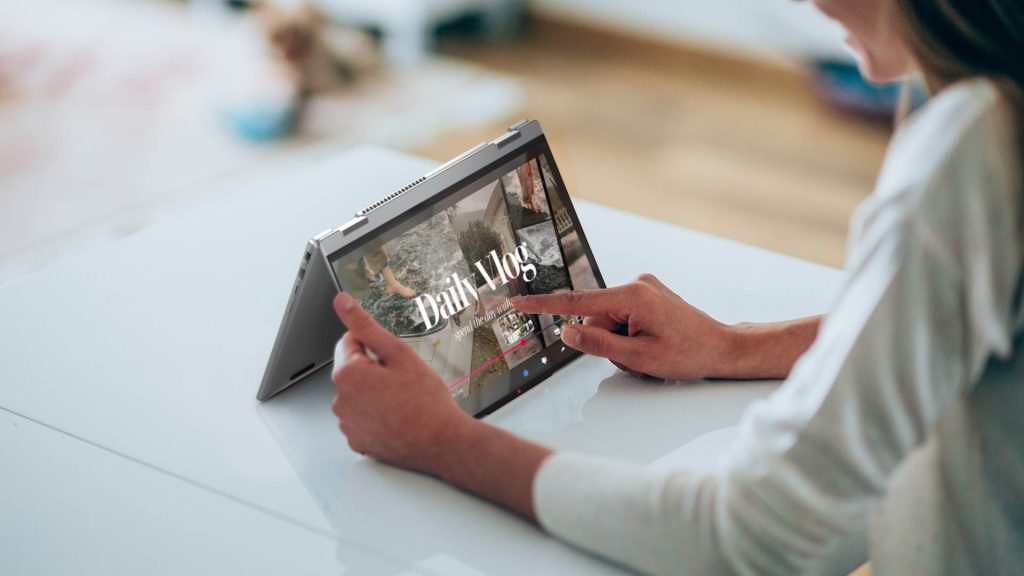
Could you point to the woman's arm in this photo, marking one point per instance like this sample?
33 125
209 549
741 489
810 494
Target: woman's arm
808 464
500 466
668 337
811 461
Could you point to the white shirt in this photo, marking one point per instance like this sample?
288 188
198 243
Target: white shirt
908 409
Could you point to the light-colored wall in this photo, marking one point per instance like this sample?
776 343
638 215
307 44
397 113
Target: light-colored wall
757 27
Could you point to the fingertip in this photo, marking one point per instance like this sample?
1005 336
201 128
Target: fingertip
338 309
523 303
571 335
365 338
343 302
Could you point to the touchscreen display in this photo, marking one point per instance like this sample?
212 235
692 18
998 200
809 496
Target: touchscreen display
441 280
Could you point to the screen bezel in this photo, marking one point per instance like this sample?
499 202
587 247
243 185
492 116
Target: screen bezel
433 204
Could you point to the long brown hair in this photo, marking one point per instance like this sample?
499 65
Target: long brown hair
957 39
954 40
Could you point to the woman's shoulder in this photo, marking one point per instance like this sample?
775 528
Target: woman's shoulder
964 130
954 111
952 168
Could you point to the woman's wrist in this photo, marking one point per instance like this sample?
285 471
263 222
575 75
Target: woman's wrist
743 344
731 344
447 444
752 350
489 462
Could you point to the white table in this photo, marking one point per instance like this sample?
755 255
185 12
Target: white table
129 431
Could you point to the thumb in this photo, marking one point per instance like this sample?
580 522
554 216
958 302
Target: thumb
599 342
364 329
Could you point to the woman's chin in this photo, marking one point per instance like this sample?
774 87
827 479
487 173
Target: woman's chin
877 75
874 70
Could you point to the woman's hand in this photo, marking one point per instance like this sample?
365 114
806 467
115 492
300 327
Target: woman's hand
664 336
391 405
668 338
394 408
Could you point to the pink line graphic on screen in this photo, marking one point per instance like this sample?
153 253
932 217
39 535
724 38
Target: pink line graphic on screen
489 362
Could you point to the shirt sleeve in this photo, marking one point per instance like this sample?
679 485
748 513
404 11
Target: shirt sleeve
811 459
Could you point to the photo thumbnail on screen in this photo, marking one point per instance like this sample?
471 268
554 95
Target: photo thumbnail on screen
443 285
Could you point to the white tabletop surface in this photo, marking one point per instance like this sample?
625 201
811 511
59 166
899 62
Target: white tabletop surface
129 379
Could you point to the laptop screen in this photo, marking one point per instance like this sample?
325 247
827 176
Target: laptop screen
441 278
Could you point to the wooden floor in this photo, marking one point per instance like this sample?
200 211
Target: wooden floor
737 148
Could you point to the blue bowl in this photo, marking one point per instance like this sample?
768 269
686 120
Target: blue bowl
262 123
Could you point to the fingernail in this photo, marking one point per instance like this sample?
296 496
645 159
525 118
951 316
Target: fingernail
346 301
571 336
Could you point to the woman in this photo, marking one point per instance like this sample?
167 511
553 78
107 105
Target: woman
902 412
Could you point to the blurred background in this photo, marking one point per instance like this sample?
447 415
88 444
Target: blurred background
742 118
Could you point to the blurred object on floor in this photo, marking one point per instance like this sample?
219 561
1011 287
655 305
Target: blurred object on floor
112 113
407 27
304 55
320 55
840 84
735 147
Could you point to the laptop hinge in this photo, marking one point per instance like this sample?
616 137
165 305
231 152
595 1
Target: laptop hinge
353 224
505 138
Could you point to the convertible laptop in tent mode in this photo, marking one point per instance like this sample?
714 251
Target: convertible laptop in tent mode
436 263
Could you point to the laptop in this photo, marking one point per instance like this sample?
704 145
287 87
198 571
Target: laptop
436 263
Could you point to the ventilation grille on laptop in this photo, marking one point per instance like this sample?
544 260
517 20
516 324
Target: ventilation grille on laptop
391 196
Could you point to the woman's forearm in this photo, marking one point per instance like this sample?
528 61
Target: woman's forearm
767 350
491 463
